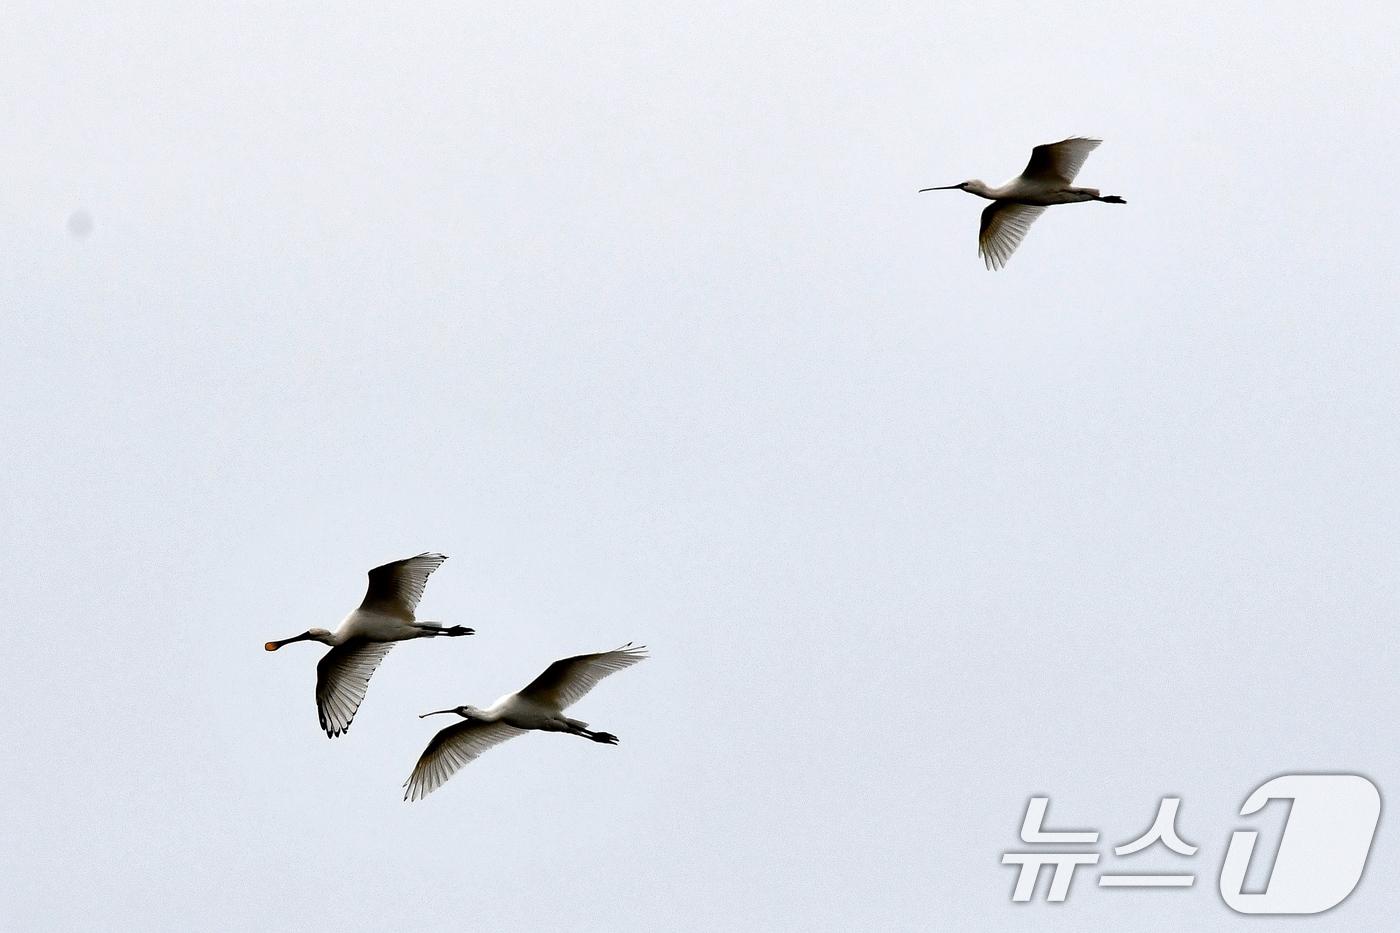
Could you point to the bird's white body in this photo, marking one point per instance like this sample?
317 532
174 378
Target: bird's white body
378 627
539 707
525 713
365 636
1032 192
1047 180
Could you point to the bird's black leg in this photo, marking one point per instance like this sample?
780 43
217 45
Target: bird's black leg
434 629
606 738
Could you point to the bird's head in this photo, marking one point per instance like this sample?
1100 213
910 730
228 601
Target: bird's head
311 634
466 712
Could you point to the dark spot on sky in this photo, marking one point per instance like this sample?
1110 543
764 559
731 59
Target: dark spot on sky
80 223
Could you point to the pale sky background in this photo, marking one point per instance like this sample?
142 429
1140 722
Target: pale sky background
634 312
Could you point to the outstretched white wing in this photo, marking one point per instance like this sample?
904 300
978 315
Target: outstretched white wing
565 682
452 748
1060 161
1004 226
342 677
396 588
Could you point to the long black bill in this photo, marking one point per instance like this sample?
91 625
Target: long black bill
939 188
437 712
274 645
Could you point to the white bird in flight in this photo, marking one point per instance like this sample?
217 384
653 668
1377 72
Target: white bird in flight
1047 180
539 706
367 634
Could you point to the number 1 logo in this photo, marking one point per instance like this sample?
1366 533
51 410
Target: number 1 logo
1324 848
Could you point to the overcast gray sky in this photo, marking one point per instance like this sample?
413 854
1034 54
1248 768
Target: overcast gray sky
634 312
